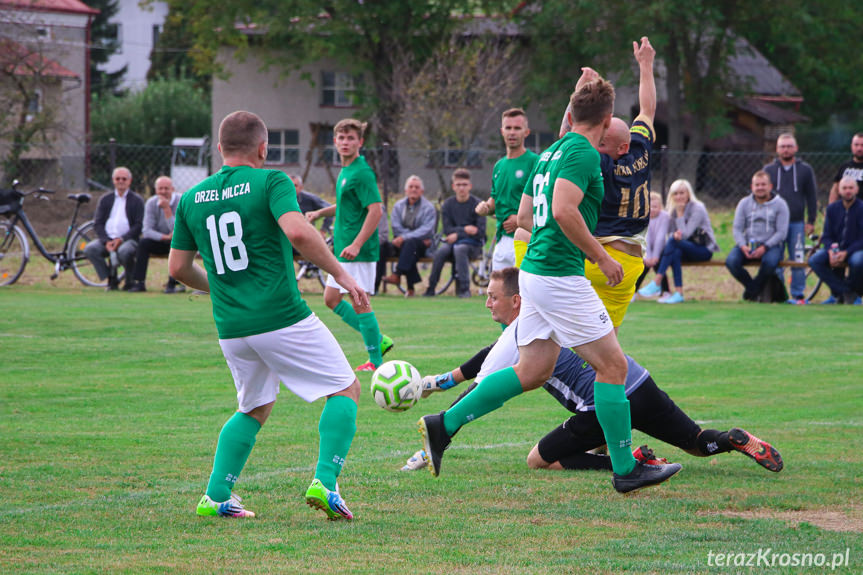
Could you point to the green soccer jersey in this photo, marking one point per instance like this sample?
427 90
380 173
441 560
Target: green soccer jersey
356 189
231 219
507 183
572 158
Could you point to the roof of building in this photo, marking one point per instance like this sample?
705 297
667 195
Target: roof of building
759 75
19 60
66 6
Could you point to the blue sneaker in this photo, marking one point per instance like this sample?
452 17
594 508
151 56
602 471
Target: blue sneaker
858 301
676 297
650 290
830 301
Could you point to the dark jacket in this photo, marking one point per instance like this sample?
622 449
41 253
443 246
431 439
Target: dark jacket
844 227
797 187
134 213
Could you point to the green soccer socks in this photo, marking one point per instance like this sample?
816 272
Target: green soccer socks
371 333
346 311
235 443
612 411
337 427
491 393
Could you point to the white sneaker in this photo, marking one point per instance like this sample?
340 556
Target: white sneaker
416 461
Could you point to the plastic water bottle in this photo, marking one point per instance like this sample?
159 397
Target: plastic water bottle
798 250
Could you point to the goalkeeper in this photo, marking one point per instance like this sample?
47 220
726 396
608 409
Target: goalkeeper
567 446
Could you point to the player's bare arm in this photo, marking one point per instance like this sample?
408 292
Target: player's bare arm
645 55
587 75
182 267
564 207
524 218
370 225
326 212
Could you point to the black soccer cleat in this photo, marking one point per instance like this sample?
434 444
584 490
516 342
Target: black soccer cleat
762 452
435 440
644 475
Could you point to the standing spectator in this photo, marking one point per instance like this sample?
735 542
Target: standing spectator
118 222
464 232
158 229
852 168
309 201
691 239
508 179
358 210
760 229
843 243
413 222
794 181
657 235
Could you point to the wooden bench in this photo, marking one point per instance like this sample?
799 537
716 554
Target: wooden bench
751 263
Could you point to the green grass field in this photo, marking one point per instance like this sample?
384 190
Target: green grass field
110 407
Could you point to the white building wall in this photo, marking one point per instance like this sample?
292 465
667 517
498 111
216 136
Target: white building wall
136 40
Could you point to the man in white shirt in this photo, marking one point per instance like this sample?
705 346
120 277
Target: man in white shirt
118 223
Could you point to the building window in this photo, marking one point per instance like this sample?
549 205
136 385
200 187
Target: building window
326 150
34 105
539 141
455 156
157 31
283 147
43 33
340 89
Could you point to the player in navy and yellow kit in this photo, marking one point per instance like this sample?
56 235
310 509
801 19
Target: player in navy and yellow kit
625 212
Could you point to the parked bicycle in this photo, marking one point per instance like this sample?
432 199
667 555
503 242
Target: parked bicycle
308 270
15 249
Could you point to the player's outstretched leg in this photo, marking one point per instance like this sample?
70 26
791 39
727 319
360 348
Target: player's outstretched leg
644 475
762 452
336 428
435 440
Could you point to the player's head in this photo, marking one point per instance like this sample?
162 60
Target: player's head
761 185
857 146
592 104
164 187
655 204
786 146
298 182
414 188
461 184
514 128
848 189
243 137
679 194
348 136
503 300
122 179
615 143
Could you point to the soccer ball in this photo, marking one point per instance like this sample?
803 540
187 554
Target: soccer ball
396 385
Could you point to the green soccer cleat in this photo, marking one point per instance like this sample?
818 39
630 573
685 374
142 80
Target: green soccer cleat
233 507
330 502
386 344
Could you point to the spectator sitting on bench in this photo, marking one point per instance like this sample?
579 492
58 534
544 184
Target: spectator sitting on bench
158 229
843 243
413 220
691 239
760 229
657 235
309 201
464 233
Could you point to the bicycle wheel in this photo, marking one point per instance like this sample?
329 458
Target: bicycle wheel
14 253
81 266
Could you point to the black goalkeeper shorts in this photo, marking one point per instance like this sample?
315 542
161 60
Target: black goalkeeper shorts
652 412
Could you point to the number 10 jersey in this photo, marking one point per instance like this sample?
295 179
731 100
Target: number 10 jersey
231 219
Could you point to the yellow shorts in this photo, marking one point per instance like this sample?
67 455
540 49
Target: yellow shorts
617 298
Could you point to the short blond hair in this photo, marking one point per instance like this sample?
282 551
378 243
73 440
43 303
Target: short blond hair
349 124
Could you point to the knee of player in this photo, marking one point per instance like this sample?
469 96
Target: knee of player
535 460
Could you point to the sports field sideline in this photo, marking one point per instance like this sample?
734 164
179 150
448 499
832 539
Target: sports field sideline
110 405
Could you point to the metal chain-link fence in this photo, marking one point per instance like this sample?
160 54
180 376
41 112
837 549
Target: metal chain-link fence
720 178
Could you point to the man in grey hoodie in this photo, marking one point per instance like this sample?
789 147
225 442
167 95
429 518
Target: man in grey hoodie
794 181
760 229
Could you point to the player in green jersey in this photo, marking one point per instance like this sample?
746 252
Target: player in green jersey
358 211
243 221
508 179
561 204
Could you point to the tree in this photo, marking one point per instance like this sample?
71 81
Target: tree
171 56
30 94
104 44
457 97
371 36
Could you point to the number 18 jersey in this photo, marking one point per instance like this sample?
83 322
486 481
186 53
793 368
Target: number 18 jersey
231 219
572 158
